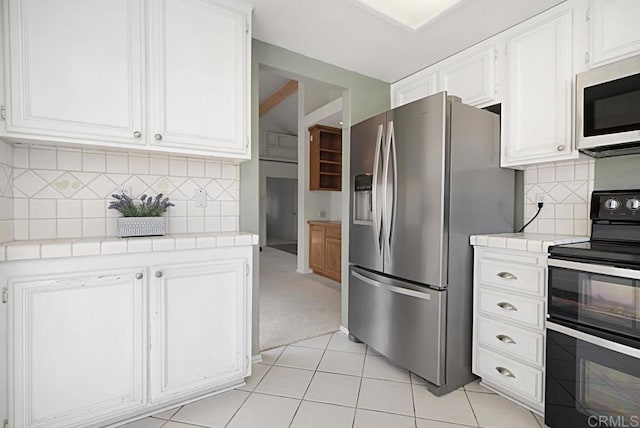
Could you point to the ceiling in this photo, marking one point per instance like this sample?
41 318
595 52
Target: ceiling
346 34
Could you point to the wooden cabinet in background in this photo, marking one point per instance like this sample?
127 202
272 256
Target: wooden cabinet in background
325 249
325 161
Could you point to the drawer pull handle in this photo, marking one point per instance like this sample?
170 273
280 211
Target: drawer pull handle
505 372
505 339
507 306
506 275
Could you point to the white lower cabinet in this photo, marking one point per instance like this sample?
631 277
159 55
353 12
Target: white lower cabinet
78 347
193 346
508 323
125 336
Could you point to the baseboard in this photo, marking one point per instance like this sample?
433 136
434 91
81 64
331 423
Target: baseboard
304 271
256 359
344 330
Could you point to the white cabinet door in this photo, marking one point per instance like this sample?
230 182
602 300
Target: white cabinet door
76 347
198 327
419 85
199 81
471 77
615 32
537 117
75 69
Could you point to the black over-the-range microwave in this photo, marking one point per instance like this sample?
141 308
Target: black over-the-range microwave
608 109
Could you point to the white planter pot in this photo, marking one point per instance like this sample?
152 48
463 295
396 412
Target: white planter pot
141 226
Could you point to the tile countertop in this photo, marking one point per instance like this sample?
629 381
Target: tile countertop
534 242
52 248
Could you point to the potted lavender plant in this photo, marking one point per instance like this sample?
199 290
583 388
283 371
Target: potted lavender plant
143 218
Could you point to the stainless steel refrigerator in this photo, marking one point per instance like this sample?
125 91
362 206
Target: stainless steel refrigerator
424 177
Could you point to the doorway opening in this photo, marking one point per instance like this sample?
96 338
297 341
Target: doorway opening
282 210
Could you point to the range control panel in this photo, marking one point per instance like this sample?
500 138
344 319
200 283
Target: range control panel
620 205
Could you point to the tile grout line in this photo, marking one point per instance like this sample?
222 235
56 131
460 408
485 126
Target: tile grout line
471 405
355 413
413 401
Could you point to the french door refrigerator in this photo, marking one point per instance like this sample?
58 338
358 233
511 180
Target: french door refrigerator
424 177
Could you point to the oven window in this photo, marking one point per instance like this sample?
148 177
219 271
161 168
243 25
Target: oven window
606 302
612 107
608 391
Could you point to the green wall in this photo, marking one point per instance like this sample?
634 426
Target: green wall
363 97
620 172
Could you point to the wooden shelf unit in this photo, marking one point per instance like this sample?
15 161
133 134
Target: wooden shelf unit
325 158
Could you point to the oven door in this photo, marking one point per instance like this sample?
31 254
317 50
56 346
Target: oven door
591 381
599 296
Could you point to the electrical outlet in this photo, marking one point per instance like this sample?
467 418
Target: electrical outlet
125 190
200 198
322 214
540 198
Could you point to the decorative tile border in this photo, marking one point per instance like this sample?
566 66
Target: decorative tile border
61 192
567 187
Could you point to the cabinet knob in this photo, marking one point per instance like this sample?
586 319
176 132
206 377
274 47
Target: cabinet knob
505 339
506 275
505 372
560 148
507 306
137 134
159 274
158 137
139 275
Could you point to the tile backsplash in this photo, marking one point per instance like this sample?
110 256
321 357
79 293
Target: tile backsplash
567 187
61 192
6 192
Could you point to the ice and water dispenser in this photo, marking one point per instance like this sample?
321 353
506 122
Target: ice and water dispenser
363 199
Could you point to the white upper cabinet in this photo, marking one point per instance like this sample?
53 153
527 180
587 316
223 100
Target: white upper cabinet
471 77
615 31
414 87
169 76
77 353
537 115
75 68
198 317
199 74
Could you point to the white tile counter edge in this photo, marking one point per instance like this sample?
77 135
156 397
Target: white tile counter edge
52 248
533 242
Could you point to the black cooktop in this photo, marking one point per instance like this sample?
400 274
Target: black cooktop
615 232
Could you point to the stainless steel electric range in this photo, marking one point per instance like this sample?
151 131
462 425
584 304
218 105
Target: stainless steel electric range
593 321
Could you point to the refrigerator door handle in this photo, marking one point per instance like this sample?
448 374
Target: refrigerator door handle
377 214
420 294
389 191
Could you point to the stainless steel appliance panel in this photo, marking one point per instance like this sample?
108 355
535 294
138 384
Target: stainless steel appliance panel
400 320
365 237
415 191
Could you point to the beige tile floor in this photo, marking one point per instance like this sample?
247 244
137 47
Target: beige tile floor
330 382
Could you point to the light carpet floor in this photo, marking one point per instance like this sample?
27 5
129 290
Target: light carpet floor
294 306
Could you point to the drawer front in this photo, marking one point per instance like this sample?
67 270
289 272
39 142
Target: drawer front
333 232
513 277
513 308
509 374
517 342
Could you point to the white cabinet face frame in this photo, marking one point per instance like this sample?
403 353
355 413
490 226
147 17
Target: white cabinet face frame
614 32
471 77
199 101
91 327
413 88
198 314
76 69
539 97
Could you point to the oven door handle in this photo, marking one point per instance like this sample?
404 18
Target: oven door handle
594 340
595 268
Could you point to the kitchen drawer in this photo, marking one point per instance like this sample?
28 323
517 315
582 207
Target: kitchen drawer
509 374
512 277
517 342
511 307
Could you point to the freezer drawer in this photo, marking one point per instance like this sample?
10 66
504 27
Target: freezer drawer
400 320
